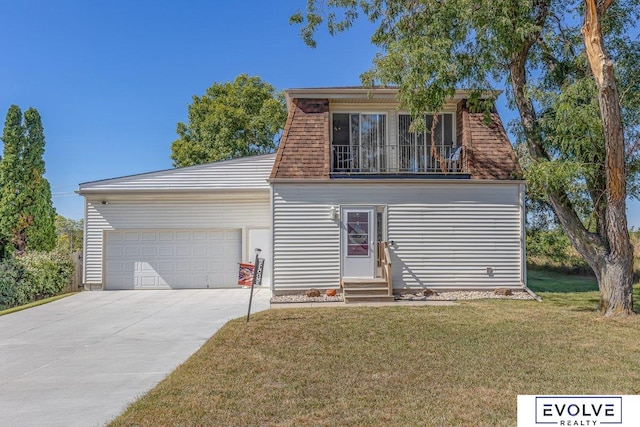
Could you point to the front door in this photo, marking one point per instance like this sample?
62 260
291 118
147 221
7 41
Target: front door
358 242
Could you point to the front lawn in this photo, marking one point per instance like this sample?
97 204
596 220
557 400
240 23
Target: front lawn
397 366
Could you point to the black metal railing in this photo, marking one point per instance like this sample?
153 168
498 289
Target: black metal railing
397 159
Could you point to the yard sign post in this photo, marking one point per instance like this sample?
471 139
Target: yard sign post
253 282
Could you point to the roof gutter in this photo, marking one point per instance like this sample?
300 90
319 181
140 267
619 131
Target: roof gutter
134 191
389 93
393 181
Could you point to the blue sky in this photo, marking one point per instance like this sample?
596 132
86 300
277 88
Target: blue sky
111 79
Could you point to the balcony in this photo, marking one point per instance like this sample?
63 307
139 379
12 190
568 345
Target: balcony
410 159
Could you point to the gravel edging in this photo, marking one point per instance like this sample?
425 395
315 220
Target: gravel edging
463 296
283 299
442 296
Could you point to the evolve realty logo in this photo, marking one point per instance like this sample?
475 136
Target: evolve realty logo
578 410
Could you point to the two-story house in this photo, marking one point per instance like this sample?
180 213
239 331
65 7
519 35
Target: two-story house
349 173
352 198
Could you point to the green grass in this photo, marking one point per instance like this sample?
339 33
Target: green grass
34 304
398 366
549 281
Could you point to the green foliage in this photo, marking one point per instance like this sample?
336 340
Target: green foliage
70 234
550 249
26 210
33 276
47 273
11 176
13 291
233 119
40 235
552 244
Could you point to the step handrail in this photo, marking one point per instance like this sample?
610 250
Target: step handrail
384 262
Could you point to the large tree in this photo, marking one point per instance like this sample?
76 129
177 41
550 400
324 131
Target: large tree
38 207
562 63
70 233
10 176
26 211
233 119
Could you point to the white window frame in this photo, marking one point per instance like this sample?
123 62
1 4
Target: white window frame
379 147
426 134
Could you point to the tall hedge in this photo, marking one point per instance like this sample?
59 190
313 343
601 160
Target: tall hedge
26 211
33 276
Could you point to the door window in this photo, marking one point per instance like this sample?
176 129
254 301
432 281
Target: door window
357 233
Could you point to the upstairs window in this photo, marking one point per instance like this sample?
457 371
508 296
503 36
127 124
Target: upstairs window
417 152
359 141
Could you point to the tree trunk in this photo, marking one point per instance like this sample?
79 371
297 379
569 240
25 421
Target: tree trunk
616 290
615 281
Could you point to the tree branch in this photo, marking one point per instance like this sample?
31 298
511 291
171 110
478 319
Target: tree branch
604 6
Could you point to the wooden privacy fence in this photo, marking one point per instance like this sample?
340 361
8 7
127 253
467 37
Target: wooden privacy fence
76 280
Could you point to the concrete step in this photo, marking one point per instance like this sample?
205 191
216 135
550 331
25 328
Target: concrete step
353 299
366 291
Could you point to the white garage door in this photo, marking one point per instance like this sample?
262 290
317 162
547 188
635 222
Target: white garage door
171 259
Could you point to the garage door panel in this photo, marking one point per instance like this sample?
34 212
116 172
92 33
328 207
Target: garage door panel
156 259
183 251
131 236
116 267
148 282
149 236
183 266
166 267
200 235
165 251
131 251
183 235
114 252
199 251
165 236
149 251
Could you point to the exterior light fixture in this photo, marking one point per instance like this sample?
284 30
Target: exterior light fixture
333 212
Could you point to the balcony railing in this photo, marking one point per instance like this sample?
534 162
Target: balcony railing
397 159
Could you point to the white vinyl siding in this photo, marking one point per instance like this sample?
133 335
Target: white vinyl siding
194 212
445 234
306 242
247 173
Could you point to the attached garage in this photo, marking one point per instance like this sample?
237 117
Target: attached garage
183 228
172 259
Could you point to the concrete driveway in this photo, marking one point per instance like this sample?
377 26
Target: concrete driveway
81 360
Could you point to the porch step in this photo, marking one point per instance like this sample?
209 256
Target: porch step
354 282
365 290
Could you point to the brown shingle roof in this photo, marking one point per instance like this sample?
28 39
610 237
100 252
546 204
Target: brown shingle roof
304 151
304 146
489 154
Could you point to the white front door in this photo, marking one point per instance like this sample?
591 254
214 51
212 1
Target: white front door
358 242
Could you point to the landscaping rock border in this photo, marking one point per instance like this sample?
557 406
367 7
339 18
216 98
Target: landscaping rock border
463 296
416 296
